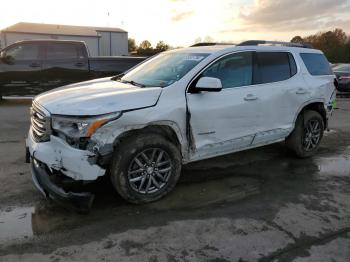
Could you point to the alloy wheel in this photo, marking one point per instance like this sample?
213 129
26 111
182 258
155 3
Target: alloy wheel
312 134
149 171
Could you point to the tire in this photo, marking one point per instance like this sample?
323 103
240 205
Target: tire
300 141
127 173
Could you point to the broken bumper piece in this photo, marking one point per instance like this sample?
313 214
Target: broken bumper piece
80 202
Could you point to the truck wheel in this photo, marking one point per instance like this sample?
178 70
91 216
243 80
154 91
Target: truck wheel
307 134
145 168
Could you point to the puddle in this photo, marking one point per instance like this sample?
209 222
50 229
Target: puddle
16 224
334 166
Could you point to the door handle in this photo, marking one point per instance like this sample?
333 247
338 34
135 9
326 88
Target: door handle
79 64
34 65
250 97
301 91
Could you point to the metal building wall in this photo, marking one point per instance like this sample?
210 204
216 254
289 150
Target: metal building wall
113 43
104 43
120 44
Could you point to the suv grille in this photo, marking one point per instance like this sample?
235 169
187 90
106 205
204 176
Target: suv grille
40 124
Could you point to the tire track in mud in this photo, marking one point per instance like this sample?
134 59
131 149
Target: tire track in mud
290 252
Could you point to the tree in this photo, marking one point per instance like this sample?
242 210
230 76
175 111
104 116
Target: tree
198 40
297 39
161 46
145 44
145 48
333 44
132 45
208 39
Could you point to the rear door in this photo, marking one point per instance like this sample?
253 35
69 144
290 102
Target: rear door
20 69
64 63
281 91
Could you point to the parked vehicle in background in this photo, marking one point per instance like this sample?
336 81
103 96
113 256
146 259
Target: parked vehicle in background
31 67
342 73
178 107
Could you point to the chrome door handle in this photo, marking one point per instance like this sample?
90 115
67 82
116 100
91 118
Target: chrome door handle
301 91
250 97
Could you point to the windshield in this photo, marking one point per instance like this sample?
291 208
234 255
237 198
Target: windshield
164 69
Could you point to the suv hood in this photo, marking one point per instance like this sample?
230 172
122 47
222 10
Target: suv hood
97 97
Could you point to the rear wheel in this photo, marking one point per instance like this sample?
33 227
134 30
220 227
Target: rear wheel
307 134
145 168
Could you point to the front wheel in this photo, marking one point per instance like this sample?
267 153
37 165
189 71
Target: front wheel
307 134
145 168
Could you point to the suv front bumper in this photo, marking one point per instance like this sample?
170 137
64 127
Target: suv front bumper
41 177
60 156
56 155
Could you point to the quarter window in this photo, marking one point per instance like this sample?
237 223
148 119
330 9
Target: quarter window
233 70
274 67
316 64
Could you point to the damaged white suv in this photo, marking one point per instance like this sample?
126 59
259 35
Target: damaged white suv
180 106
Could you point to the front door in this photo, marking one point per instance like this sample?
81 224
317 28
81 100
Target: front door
20 70
225 121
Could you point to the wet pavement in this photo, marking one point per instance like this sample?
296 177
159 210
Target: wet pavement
257 205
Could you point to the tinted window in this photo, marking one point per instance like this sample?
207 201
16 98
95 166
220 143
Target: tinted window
23 52
62 51
273 67
292 64
233 70
316 64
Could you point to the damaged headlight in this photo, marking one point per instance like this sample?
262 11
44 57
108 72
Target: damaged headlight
78 127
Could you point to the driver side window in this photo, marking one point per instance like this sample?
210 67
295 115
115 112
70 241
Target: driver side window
233 70
23 52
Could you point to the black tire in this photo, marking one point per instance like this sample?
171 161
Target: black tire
299 140
124 160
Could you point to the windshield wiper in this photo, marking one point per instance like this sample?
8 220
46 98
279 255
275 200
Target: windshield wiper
132 83
118 77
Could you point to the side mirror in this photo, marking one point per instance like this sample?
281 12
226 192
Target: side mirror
7 58
209 84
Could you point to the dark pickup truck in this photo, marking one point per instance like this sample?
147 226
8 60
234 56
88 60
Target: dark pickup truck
30 67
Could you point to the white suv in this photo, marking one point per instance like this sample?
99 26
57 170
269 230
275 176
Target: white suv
178 107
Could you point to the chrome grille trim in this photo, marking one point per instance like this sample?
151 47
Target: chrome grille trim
40 123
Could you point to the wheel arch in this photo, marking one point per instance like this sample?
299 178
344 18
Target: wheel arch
317 106
169 131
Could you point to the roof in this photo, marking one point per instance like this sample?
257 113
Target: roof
223 49
53 29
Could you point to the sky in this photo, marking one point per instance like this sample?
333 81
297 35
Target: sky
182 22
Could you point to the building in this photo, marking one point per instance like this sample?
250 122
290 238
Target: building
101 41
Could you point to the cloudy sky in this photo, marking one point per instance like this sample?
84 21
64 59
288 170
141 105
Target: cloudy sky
181 22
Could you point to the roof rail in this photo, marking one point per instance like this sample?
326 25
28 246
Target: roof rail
264 42
210 44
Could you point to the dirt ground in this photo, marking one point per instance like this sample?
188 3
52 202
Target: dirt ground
257 205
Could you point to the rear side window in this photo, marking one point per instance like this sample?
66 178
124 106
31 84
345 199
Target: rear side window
316 64
62 51
274 67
